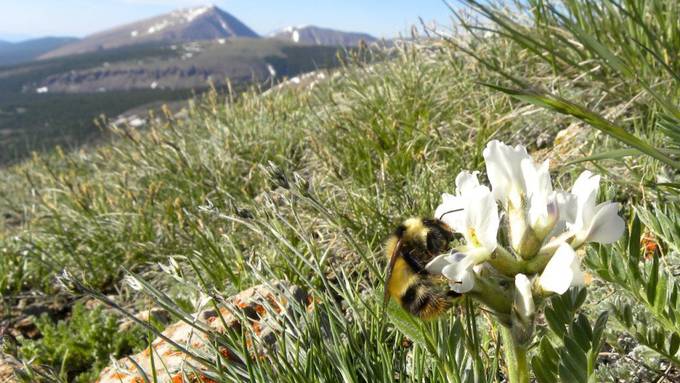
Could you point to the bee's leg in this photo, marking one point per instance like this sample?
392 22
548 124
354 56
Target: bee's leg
425 301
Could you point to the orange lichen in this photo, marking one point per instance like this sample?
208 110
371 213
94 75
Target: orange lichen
257 328
146 352
227 354
650 245
240 304
172 353
276 305
260 310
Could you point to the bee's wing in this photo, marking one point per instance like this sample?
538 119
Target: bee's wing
390 266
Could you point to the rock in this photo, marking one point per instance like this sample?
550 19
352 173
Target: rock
568 145
263 308
543 140
26 328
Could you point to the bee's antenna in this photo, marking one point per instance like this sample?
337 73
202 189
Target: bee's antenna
450 211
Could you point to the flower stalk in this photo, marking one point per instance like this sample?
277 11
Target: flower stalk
516 360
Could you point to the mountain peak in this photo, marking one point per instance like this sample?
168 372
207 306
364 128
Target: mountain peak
207 22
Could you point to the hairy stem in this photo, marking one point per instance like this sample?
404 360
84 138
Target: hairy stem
515 357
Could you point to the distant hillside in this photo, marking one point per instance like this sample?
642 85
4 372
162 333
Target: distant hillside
49 102
186 66
193 24
15 53
312 35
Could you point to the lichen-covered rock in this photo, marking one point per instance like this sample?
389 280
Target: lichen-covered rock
263 307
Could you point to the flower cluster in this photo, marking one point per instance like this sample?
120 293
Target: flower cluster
533 238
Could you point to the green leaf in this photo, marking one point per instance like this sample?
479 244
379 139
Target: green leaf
597 340
545 363
609 155
574 364
634 240
406 323
554 322
581 332
653 280
674 344
599 328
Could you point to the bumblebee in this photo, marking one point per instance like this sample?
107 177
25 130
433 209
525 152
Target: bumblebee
412 245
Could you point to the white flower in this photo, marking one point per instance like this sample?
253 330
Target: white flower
504 169
525 190
563 271
542 201
593 223
472 212
524 301
458 268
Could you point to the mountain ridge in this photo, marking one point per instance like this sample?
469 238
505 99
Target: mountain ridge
183 25
315 35
27 50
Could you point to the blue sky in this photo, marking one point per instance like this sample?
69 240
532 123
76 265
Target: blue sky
21 19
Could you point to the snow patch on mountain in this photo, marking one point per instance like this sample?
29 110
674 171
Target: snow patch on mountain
192 13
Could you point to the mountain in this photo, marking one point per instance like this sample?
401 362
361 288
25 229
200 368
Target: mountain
191 24
14 53
313 35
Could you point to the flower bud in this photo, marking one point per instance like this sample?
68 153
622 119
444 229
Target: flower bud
524 301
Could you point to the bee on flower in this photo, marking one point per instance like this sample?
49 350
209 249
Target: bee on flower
521 236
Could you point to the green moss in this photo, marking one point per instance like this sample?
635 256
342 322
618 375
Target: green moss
79 347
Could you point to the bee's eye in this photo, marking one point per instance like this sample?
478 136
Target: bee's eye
438 241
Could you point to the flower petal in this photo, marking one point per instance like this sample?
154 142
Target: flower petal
606 226
567 204
436 265
563 270
539 192
466 182
503 167
536 178
482 217
460 273
452 212
585 189
524 301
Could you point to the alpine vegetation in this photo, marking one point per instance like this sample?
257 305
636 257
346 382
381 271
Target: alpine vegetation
513 260
246 239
